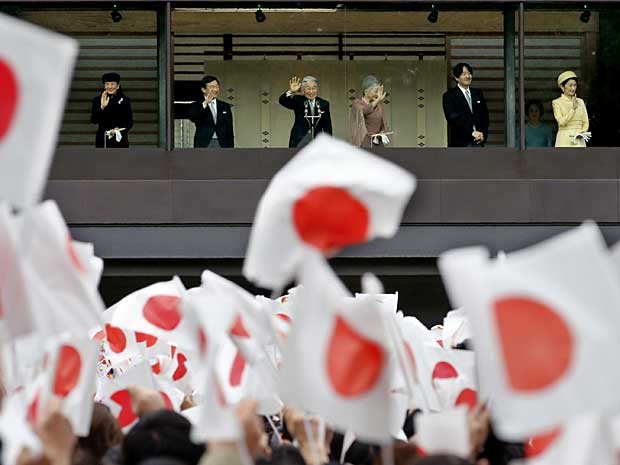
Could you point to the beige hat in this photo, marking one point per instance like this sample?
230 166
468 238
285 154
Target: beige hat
565 76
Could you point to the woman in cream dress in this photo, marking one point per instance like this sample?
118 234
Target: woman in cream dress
570 113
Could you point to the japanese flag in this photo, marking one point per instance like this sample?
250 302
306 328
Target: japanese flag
72 379
336 361
584 440
158 310
31 111
115 392
545 324
444 432
329 196
44 285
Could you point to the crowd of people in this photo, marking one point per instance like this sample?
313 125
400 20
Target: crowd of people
464 107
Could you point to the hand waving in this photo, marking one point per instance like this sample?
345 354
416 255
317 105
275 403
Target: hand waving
294 84
105 99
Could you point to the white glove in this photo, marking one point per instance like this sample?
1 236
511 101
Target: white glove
584 135
384 139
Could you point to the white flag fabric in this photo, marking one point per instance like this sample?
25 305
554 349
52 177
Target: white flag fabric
330 195
584 440
72 379
336 359
30 113
445 432
44 285
159 310
545 327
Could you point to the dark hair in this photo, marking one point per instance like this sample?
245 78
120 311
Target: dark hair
569 79
161 434
458 69
536 103
442 459
207 79
111 77
286 454
104 434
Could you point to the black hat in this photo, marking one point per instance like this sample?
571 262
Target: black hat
111 77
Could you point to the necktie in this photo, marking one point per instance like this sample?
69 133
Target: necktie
468 96
312 107
214 112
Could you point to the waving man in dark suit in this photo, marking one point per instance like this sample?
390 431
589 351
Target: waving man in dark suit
465 110
212 117
311 112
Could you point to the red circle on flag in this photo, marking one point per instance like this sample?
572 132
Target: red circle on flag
10 97
73 256
354 362
238 328
536 343
163 311
467 397
167 401
68 369
236 370
285 317
33 409
126 416
444 370
202 341
156 367
116 338
181 368
143 337
536 445
329 218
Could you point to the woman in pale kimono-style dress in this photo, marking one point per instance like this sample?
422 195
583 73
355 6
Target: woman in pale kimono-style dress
367 115
570 113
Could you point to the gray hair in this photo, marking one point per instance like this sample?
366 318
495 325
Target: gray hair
308 80
369 82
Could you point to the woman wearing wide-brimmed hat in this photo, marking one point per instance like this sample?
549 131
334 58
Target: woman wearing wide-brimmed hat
570 113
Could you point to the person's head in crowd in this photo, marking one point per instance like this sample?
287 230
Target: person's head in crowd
463 74
161 434
104 434
286 454
370 87
310 87
442 459
359 453
534 112
163 460
210 85
111 82
404 453
567 81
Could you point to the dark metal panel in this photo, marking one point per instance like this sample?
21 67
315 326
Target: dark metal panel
424 206
484 163
485 201
71 198
574 200
568 163
110 164
215 242
219 164
128 202
216 202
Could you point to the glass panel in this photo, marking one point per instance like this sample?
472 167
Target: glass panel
125 43
410 54
582 42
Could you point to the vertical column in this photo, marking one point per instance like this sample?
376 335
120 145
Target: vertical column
165 76
522 76
509 75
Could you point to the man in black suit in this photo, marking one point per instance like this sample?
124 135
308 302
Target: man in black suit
311 112
466 111
212 117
